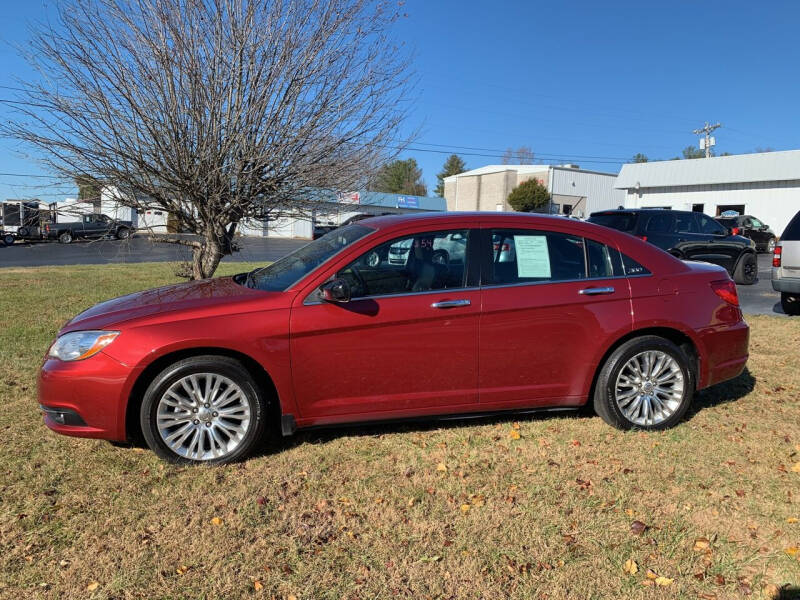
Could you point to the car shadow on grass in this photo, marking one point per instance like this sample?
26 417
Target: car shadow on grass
722 393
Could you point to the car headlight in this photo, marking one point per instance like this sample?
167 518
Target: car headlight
79 345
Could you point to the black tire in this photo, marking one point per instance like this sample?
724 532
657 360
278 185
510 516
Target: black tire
217 365
8 239
65 237
123 233
23 232
746 271
790 303
604 401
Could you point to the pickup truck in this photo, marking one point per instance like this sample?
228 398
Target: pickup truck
90 226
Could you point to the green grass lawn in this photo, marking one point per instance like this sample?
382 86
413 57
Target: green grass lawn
458 510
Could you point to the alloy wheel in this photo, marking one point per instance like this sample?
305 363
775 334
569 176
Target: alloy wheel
203 416
649 388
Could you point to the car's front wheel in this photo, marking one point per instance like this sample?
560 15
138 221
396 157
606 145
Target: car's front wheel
646 383
746 271
790 303
204 409
8 239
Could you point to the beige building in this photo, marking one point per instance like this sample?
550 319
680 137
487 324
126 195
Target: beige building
572 190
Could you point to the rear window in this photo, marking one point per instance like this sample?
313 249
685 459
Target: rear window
731 223
618 221
792 231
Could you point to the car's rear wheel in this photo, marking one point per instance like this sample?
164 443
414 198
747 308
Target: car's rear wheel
204 409
646 383
790 303
123 233
746 271
65 238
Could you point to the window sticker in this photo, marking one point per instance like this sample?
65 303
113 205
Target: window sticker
533 257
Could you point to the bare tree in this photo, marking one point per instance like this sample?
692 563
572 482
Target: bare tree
217 111
521 156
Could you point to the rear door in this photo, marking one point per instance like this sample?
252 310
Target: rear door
790 250
658 228
551 299
721 249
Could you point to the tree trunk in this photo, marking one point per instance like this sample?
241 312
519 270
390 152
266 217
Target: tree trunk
206 257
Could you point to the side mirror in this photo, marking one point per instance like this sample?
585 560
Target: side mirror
336 290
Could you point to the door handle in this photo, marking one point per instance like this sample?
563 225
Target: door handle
450 303
596 291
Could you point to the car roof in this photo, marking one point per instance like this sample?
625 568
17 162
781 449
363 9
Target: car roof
469 218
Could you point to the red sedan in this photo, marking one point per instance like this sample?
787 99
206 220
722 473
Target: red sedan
400 317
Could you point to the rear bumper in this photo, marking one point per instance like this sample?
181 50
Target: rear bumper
727 351
85 398
785 284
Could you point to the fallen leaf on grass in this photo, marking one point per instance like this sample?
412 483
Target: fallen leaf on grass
514 435
663 581
630 567
441 467
258 586
796 467
92 586
650 574
638 528
465 508
182 569
792 520
701 544
216 521
792 550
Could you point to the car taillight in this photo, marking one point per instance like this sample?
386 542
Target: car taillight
726 290
776 258
735 231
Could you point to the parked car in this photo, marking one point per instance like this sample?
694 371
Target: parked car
446 248
750 227
688 236
786 267
90 226
324 336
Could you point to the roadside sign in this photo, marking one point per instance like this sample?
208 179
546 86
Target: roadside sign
408 202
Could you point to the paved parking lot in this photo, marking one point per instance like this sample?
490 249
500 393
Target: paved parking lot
760 298
755 299
137 249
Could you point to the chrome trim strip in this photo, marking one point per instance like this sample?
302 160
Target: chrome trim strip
399 295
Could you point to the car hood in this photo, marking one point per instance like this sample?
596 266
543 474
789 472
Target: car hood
192 296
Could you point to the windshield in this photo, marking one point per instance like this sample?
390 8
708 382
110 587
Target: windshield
620 221
290 269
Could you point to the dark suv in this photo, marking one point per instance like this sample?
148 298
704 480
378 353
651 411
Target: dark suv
688 236
750 227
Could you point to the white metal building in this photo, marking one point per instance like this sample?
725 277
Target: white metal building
765 185
572 190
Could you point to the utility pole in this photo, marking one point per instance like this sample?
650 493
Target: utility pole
708 141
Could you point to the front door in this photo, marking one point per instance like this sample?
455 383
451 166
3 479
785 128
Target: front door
404 345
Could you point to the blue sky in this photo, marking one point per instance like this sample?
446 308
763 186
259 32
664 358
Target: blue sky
582 81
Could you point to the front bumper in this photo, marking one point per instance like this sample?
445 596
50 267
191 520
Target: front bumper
86 398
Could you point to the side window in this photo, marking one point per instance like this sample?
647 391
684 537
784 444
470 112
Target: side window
709 225
600 260
685 223
416 263
631 267
528 256
659 223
